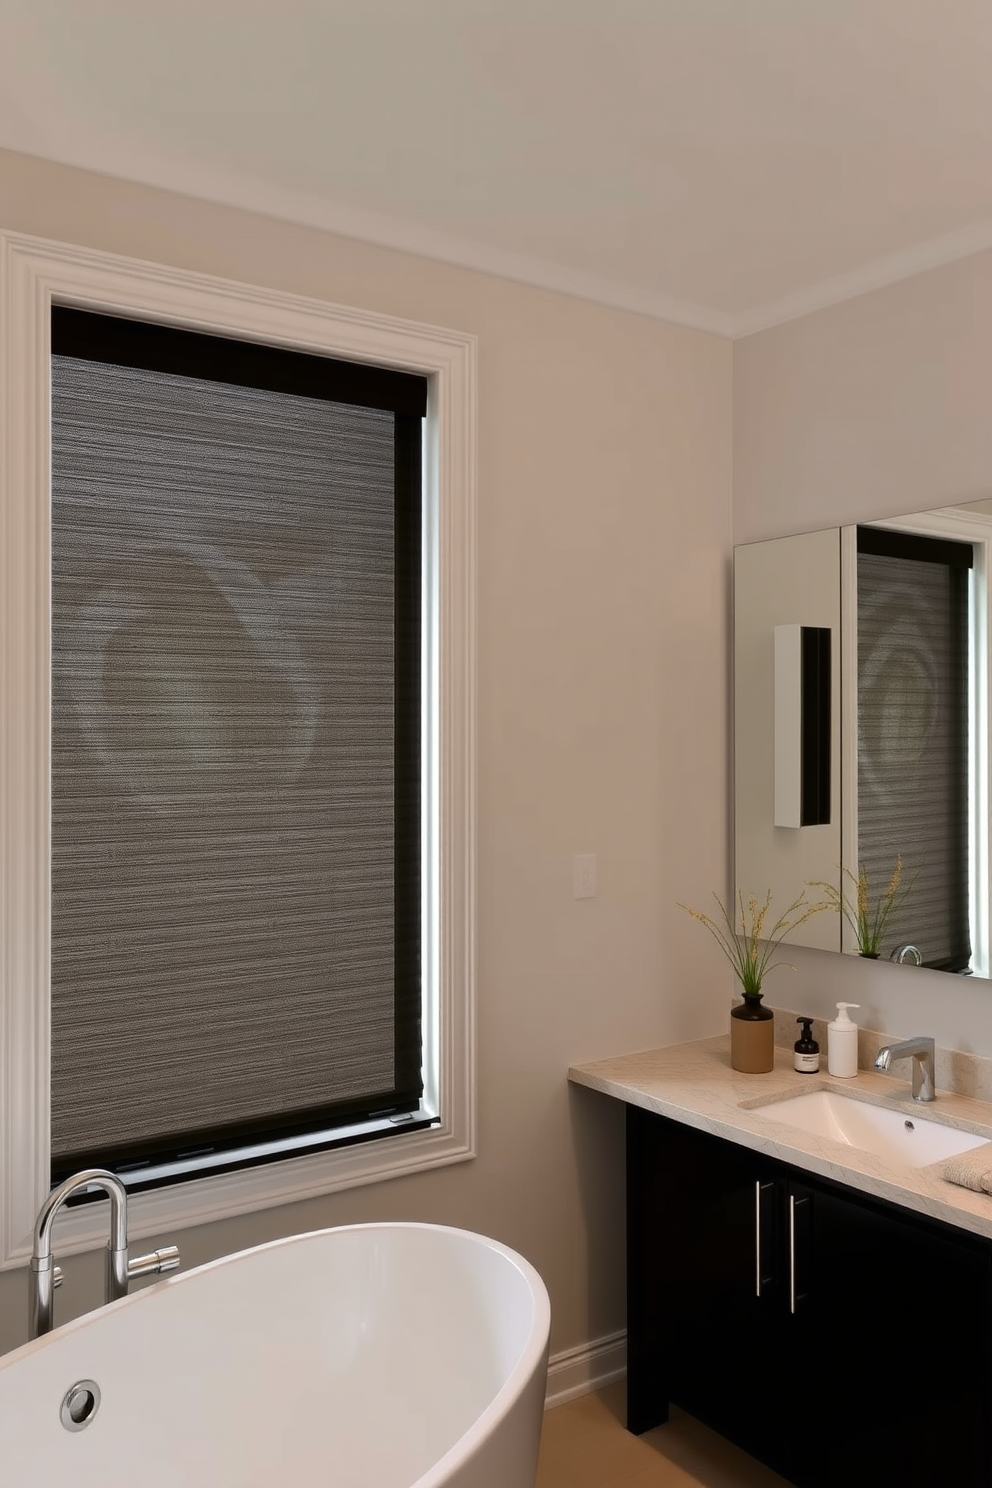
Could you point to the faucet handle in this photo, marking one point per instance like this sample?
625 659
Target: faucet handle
166 1258
57 1277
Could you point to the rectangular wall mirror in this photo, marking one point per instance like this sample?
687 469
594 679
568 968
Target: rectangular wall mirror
902 755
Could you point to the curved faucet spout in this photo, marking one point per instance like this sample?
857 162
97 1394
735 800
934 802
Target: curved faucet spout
88 1178
42 1273
921 1051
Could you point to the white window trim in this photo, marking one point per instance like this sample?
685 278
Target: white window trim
33 274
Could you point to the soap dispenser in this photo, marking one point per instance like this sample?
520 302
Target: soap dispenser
842 1043
806 1051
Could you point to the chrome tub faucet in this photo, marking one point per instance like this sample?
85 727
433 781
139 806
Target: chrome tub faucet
921 1051
44 1276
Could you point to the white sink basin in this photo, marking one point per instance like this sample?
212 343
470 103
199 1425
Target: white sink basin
912 1141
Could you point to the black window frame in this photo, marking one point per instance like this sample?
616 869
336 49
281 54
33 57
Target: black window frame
126 341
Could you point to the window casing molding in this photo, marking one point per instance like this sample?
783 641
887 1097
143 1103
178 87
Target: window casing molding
35 273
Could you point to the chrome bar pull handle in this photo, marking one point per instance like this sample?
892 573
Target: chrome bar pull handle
799 1235
757 1237
759 1189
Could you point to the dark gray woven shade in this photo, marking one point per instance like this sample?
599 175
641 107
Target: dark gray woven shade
224 820
913 737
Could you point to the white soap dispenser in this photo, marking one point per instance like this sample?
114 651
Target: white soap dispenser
842 1043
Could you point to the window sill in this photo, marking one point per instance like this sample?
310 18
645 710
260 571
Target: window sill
206 1199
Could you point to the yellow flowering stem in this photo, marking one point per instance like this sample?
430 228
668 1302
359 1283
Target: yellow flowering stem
746 945
869 924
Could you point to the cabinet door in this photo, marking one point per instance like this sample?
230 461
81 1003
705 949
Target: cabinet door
840 1340
705 1282
891 1337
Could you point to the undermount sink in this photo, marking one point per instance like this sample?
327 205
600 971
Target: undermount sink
912 1141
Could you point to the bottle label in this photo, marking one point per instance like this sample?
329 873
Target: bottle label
806 1064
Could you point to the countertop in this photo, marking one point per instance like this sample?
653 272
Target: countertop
695 1084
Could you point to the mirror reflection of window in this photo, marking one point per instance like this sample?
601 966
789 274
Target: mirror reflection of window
913 736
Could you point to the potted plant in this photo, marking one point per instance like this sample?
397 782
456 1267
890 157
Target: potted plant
750 948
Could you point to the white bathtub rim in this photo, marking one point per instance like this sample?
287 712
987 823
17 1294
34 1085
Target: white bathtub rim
532 1356
533 1359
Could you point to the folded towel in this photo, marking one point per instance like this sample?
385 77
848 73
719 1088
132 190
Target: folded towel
972 1169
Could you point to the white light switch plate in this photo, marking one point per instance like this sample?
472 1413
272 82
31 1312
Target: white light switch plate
584 876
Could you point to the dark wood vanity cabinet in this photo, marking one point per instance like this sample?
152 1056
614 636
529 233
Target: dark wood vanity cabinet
843 1341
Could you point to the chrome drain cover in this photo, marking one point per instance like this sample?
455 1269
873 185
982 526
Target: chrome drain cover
80 1404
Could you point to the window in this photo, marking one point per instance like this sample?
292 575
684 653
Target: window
109 617
236 722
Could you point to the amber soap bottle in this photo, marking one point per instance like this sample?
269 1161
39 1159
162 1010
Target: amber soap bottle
806 1056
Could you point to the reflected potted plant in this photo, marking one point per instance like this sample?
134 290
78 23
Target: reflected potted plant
750 948
869 920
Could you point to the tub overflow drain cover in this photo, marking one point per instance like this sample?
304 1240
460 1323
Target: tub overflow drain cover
80 1404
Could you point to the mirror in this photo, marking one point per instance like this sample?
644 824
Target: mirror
861 666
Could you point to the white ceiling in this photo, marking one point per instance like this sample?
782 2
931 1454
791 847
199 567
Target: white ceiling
723 163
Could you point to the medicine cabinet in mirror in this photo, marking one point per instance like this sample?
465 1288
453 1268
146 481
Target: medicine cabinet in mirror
861 734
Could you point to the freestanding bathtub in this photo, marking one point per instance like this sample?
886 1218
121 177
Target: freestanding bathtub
370 1356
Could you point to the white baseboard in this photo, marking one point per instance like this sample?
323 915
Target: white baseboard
590 1366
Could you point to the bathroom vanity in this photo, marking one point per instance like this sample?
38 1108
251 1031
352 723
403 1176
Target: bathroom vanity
828 1311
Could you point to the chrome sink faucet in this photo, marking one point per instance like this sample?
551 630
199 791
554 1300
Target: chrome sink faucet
921 1051
44 1276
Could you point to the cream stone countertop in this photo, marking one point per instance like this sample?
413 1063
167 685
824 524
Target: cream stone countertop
695 1084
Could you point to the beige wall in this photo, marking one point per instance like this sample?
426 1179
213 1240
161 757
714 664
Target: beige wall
873 408
604 544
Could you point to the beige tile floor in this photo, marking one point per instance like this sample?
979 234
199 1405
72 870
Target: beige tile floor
584 1445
